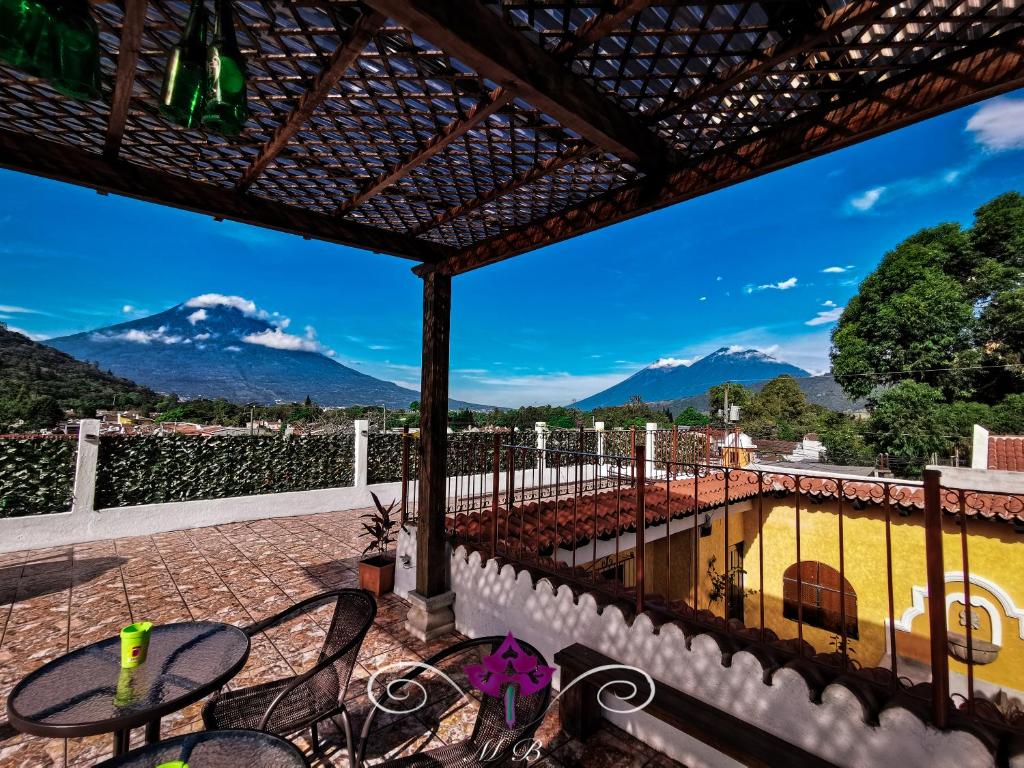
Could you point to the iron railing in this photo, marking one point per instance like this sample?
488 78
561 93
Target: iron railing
579 517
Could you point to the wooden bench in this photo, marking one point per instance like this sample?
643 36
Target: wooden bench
740 740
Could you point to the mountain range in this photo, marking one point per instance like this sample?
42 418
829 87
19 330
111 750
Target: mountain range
821 390
223 346
669 379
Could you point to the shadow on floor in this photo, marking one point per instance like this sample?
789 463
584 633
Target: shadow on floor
35 579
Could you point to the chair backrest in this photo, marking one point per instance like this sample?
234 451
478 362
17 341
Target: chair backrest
354 612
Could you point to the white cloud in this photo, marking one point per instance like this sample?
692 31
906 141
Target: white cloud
233 348
829 303
139 336
202 336
670 362
834 270
826 316
210 300
703 298
128 309
198 316
18 310
29 334
867 200
999 125
275 338
782 285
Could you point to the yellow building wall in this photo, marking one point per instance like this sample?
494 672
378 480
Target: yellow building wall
995 553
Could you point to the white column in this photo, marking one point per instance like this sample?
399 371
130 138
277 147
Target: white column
652 426
361 452
541 428
602 469
979 448
86 462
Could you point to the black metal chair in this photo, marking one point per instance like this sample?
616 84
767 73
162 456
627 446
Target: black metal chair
491 742
287 706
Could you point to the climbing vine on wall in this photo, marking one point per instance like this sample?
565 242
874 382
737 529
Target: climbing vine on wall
37 475
150 470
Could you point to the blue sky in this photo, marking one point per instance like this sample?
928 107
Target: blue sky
765 264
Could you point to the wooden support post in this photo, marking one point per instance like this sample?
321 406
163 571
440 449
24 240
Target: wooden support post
430 612
405 475
639 459
495 473
935 568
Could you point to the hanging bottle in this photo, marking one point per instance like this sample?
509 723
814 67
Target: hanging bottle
226 108
23 24
184 88
75 71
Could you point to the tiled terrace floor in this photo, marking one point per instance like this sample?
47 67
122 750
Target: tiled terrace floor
55 600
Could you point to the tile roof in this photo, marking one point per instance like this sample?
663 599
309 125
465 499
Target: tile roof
1006 452
539 522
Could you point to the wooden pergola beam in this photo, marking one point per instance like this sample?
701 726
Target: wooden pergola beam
127 61
63 162
986 69
857 14
495 101
600 26
480 39
343 57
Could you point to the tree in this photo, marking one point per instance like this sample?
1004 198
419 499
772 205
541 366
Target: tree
944 308
907 423
691 417
738 395
42 412
844 441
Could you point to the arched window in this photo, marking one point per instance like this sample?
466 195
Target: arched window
820 594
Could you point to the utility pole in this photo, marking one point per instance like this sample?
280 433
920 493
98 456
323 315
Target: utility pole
725 409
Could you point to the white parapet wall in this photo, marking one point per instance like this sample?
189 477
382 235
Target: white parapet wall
85 523
493 601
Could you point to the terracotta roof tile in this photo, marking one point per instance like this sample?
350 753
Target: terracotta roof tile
1006 452
539 523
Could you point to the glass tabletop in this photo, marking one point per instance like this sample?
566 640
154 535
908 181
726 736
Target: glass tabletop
87 692
211 749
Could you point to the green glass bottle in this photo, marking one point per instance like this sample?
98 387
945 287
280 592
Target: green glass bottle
184 89
23 26
75 72
226 106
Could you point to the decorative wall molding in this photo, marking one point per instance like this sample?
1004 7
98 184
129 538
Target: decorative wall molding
919 598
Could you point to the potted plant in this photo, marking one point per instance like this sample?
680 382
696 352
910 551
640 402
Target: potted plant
377 568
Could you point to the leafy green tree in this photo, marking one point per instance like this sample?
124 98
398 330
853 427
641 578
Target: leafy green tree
738 395
691 417
1007 417
844 441
944 308
43 412
907 423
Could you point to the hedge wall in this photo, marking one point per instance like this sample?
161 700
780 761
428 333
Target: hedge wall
37 475
468 453
150 470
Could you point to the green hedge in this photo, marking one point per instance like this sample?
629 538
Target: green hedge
468 453
150 470
37 475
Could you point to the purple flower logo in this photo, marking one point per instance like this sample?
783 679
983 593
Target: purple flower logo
506 671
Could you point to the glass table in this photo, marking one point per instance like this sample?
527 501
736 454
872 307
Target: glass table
213 749
87 692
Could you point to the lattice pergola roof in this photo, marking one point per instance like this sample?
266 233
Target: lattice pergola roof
462 132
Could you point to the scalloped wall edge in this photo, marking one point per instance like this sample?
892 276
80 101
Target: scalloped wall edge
492 600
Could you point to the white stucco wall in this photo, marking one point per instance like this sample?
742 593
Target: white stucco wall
489 601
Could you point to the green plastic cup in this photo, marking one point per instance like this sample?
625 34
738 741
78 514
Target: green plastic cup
174 764
135 643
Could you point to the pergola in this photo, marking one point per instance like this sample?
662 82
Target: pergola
459 133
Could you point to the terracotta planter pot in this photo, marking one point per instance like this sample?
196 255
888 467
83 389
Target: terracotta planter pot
982 651
377 574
